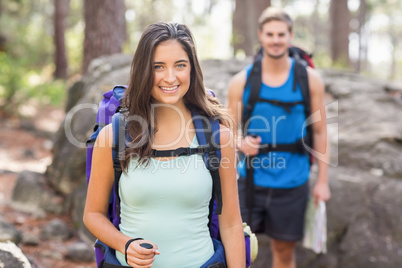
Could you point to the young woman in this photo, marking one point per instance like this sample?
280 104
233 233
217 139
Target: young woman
165 200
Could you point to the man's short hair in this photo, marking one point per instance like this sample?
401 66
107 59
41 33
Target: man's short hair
272 14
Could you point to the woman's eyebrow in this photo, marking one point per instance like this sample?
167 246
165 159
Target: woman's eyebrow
161 62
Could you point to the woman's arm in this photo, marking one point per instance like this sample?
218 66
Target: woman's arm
230 223
98 196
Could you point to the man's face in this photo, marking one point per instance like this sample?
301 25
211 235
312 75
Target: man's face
275 38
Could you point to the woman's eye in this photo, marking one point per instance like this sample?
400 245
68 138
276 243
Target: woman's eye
158 67
182 65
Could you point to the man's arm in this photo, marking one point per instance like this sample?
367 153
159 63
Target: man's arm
321 147
248 145
235 95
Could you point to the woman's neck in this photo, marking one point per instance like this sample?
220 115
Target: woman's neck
172 127
171 114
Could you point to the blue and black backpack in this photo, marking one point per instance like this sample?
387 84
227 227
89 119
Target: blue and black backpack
207 132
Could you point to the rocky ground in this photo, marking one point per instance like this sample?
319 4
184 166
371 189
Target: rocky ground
26 144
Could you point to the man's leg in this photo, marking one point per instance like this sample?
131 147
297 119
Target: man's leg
285 223
283 254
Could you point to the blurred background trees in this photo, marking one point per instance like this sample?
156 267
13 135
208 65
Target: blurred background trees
245 23
47 44
105 29
339 16
61 8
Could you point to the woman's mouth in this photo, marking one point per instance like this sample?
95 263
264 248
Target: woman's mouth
169 89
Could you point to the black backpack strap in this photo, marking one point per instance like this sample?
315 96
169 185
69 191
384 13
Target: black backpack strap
301 78
249 187
182 151
254 80
296 147
285 105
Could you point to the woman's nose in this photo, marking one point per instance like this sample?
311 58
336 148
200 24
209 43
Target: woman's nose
170 76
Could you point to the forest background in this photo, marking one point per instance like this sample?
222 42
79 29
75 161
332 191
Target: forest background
47 45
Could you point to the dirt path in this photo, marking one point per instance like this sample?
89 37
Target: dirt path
26 145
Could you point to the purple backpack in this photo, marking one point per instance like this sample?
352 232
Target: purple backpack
206 130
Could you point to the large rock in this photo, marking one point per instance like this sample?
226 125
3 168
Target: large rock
32 195
66 172
11 256
365 173
370 135
56 230
9 233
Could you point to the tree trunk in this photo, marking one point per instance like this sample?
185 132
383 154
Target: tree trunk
105 29
339 34
394 42
2 38
245 25
316 23
61 9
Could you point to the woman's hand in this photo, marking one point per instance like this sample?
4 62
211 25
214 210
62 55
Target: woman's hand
140 257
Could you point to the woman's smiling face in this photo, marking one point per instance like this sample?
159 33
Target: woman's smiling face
172 71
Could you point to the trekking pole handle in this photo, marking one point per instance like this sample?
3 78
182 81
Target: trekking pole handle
146 245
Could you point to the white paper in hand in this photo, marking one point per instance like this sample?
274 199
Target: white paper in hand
315 227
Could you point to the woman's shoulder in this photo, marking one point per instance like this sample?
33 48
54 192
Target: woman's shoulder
226 134
105 137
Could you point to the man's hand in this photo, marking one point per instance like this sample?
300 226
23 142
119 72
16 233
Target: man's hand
250 145
321 192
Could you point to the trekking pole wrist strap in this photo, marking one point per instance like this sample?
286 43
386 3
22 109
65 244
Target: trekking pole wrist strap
128 244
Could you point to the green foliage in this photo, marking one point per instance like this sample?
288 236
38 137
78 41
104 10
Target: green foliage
26 64
11 79
18 85
74 40
48 92
322 60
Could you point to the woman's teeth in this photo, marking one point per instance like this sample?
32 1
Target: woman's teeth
169 88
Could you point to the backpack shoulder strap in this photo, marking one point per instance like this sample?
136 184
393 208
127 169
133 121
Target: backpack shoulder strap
254 80
301 78
208 134
118 149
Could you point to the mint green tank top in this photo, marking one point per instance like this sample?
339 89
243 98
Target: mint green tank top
167 203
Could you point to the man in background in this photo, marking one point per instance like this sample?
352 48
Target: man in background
274 171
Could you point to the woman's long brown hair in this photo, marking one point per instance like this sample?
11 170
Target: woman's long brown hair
137 99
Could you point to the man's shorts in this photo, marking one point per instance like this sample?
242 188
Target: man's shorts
279 213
